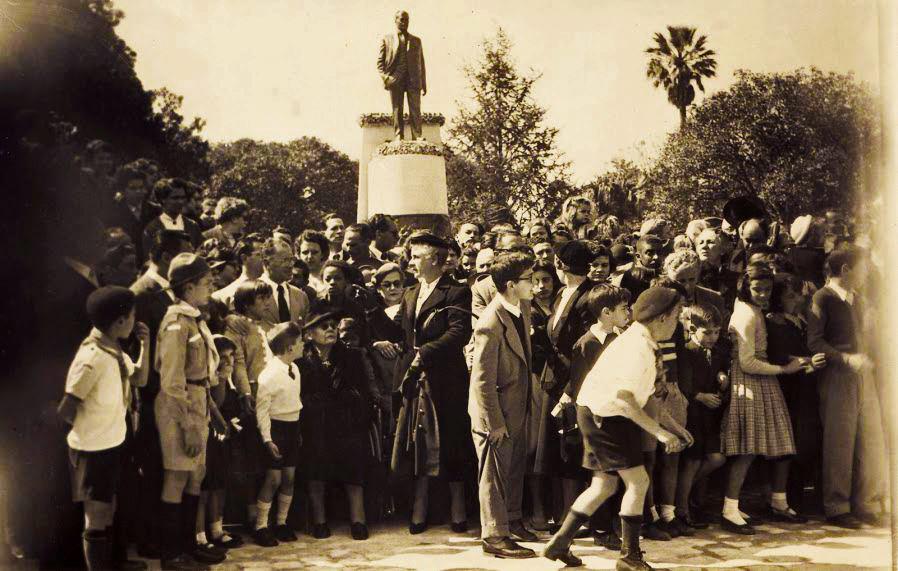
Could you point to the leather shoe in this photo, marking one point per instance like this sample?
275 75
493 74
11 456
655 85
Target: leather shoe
682 529
692 522
321 531
232 541
284 533
554 552
459 526
607 539
264 537
506 548
745 529
653 531
786 516
846 520
872 519
207 554
518 531
416 528
359 531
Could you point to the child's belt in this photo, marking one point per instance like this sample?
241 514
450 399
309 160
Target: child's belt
198 382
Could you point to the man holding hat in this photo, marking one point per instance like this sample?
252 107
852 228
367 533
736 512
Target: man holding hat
611 419
187 361
437 351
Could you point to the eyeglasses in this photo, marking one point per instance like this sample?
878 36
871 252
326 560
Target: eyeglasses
391 285
327 325
526 278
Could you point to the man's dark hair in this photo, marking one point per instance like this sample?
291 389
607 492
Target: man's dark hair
314 237
127 173
841 257
362 229
164 187
247 245
380 222
508 267
248 292
167 242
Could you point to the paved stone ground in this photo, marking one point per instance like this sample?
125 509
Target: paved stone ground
778 546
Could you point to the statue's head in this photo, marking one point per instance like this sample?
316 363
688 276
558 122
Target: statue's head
401 19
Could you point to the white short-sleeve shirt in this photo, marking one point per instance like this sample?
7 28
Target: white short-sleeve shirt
628 364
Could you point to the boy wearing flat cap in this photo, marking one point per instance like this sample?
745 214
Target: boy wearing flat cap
611 420
187 362
95 404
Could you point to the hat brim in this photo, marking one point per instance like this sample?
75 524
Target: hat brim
742 208
318 318
192 277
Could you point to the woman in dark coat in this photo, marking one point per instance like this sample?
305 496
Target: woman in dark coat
334 420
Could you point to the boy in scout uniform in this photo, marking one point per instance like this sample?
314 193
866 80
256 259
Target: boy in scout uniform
187 362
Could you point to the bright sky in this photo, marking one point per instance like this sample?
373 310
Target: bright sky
281 69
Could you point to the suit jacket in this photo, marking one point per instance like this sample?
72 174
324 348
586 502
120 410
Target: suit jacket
151 303
133 226
573 322
500 378
191 227
298 303
482 293
390 68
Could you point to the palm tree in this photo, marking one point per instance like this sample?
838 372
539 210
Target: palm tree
677 62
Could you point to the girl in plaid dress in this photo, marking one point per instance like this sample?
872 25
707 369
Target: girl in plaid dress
757 421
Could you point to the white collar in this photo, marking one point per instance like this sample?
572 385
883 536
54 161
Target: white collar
169 221
154 275
844 294
429 285
512 309
601 334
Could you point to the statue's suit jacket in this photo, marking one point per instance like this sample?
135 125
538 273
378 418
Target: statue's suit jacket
389 66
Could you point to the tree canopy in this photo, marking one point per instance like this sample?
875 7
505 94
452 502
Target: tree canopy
801 141
678 62
510 157
288 184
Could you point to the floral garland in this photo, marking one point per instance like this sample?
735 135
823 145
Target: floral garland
409 148
387 119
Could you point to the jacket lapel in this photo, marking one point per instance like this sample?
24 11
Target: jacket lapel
437 296
559 327
411 299
511 334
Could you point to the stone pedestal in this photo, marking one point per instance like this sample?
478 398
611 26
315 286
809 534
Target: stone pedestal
422 194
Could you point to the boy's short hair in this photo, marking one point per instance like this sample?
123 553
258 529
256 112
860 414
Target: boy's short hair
507 267
223 344
282 336
841 257
702 316
107 304
248 292
605 296
362 229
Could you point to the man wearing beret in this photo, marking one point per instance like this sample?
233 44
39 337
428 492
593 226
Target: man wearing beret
433 323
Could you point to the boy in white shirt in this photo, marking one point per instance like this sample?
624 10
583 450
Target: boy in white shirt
277 414
97 394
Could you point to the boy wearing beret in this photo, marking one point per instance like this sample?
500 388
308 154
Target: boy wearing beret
187 362
97 394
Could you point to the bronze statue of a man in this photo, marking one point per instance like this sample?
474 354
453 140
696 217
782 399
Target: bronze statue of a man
401 66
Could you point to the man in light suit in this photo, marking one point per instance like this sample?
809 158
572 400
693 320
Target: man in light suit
290 302
498 404
401 67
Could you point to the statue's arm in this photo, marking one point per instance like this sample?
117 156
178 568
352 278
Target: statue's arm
382 57
423 72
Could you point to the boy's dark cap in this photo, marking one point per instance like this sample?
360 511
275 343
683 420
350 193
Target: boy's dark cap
576 254
109 301
187 267
653 302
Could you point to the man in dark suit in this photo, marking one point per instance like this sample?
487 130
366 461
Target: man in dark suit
437 351
153 297
173 194
401 67
498 404
134 210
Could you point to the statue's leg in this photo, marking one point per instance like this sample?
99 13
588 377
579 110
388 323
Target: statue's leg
397 95
414 112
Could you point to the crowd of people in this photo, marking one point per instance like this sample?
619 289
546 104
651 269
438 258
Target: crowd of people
224 372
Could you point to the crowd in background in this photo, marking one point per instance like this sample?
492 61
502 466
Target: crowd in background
769 363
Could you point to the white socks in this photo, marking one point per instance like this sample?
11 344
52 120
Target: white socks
201 538
654 512
668 513
731 511
284 502
262 509
779 503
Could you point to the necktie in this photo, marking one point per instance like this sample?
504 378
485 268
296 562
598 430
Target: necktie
283 310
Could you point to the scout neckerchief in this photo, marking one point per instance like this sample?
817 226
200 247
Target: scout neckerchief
97 339
184 308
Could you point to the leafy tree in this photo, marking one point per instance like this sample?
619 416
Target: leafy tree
289 184
503 134
619 191
678 62
801 141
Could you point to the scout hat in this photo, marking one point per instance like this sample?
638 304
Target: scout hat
187 267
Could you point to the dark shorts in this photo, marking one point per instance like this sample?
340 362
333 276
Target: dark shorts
217 456
95 475
614 445
285 435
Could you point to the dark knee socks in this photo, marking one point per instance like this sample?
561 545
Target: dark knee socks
630 527
170 531
190 505
95 543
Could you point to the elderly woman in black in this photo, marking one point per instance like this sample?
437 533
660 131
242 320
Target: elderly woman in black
334 420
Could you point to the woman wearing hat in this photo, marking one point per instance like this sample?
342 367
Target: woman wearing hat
334 421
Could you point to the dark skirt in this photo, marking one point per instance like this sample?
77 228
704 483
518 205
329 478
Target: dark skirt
217 452
334 448
614 445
